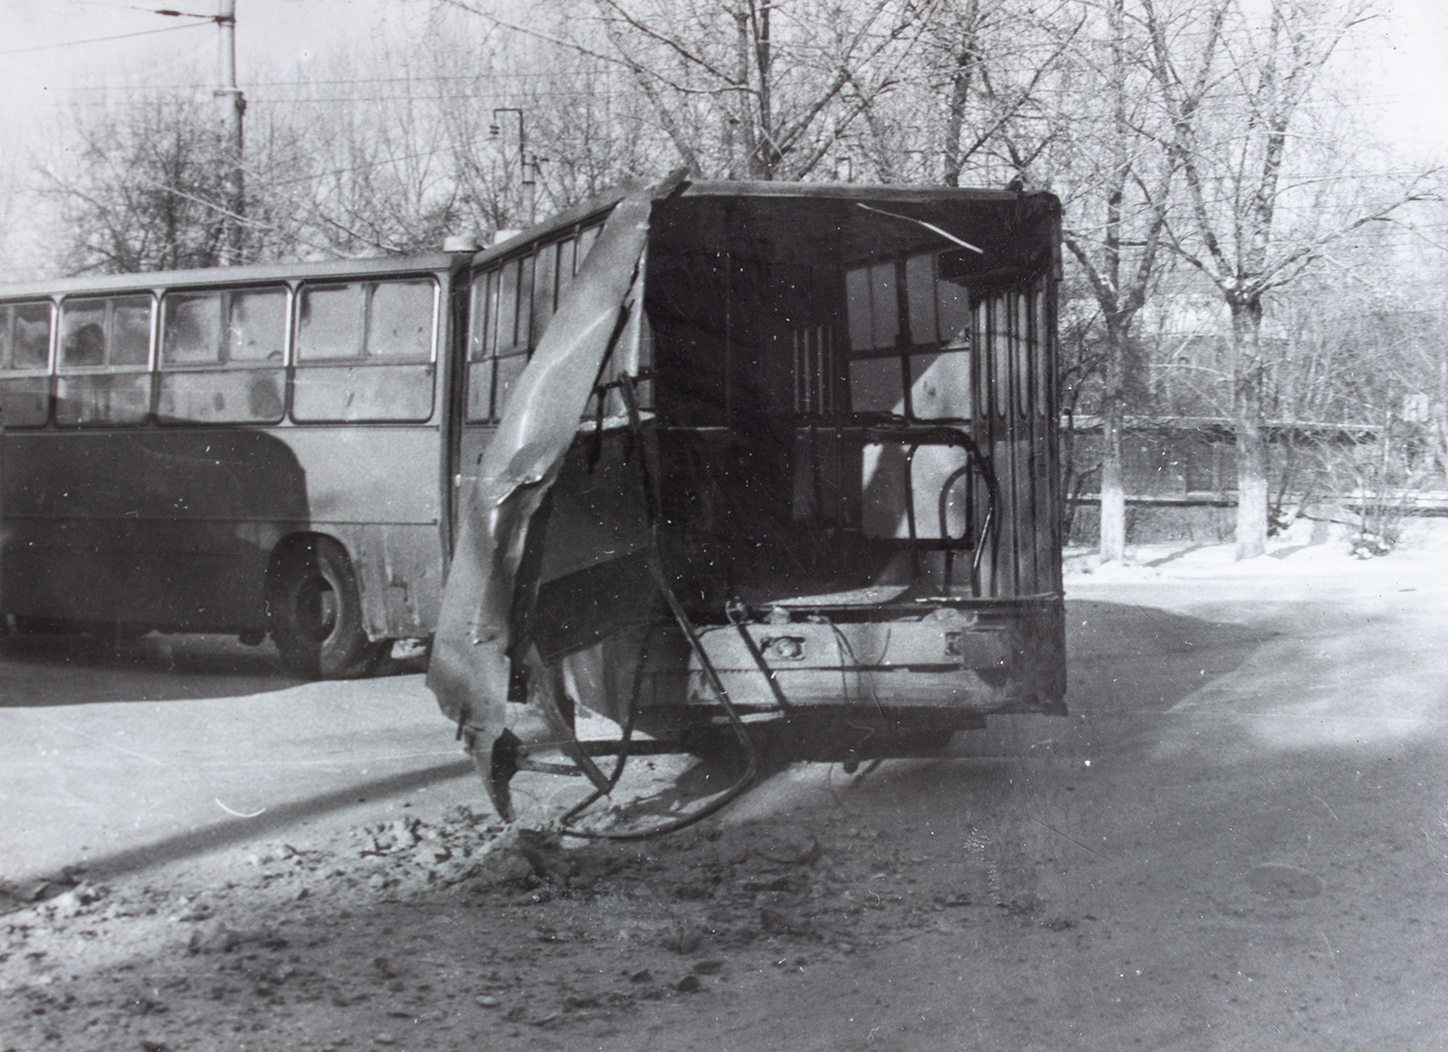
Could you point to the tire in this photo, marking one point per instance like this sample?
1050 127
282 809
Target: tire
315 612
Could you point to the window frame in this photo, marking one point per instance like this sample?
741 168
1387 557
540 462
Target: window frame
225 293
105 366
10 309
543 273
225 297
37 378
301 367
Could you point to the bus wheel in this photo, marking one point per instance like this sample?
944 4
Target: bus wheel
315 611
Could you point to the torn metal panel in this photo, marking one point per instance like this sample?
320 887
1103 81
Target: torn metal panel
476 660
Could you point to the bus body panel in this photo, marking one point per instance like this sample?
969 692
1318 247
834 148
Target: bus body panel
165 528
123 505
175 527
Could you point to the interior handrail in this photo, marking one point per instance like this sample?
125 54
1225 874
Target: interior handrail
913 436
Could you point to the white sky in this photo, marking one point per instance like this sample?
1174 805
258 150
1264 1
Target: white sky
70 49
1407 73
1403 53
1401 57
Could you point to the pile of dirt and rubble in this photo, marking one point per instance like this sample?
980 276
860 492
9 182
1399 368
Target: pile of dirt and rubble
436 933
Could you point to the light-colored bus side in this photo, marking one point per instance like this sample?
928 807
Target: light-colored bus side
169 437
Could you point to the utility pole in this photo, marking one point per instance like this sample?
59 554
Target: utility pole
528 170
233 107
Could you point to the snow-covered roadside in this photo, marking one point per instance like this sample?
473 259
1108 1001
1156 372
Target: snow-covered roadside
1422 552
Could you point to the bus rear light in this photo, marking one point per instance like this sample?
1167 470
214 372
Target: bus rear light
783 648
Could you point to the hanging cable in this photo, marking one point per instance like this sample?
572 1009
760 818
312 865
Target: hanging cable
686 626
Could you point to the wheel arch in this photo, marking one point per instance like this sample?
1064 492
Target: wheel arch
374 614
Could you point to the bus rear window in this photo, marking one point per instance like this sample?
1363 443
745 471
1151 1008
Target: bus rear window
902 314
936 310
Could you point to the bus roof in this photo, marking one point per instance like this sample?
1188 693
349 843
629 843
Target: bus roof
255 273
594 208
830 195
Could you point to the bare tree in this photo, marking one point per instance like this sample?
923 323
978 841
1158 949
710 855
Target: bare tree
1238 96
754 89
1052 96
141 188
381 160
975 100
585 125
1117 208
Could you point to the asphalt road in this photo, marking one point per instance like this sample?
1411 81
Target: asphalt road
1238 839
121 756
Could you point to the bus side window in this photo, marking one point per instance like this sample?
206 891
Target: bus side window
30 348
24 358
83 334
329 322
105 344
221 357
514 314
191 328
511 307
586 238
129 341
545 286
365 351
506 334
1041 349
256 326
567 266
502 324
481 313
399 323
571 254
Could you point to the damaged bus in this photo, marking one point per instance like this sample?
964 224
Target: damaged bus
778 472
744 466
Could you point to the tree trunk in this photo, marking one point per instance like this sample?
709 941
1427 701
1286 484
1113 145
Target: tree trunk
1251 432
1113 420
967 57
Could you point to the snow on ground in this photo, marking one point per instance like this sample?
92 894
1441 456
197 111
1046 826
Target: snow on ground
1423 550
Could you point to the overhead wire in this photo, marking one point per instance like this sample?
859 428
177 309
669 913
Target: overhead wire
118 36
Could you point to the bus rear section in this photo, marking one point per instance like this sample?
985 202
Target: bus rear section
811 504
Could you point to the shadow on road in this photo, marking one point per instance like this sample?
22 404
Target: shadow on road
151 668
154 667
271 823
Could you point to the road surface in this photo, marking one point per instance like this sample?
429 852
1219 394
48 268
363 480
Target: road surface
1238 839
